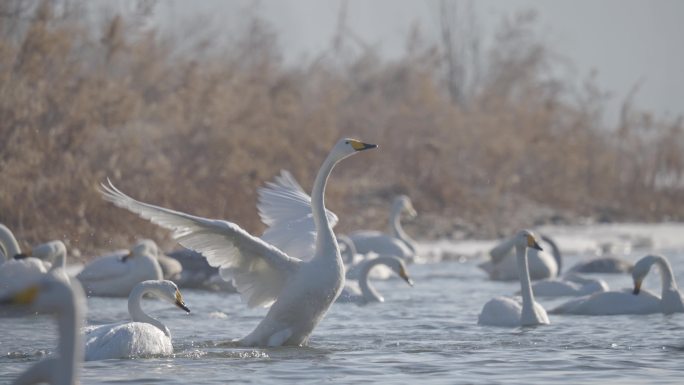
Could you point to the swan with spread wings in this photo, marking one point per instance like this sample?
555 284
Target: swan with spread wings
299 292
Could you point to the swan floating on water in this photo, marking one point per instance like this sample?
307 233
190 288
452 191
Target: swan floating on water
300 293
504 311
67 302
115 275
144 336
568 285
363 292
397 242
25 267
634 301
503 266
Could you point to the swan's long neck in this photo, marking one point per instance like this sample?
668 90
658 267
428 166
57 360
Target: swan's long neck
10 246
70 347
136 312
368 291
666 275
525 287
324 233
397 231
555 250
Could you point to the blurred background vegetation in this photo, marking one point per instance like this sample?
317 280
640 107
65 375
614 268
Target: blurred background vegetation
483 141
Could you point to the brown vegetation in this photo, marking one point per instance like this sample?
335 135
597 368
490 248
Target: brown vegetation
201 130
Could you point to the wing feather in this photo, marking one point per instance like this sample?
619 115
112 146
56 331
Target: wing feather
258 270
286 209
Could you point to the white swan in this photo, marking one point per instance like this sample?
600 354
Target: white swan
115 275
503 265
172 270
29 266
632 302
363 292
144 336
504 311
67 302
568 285
397 242
300 293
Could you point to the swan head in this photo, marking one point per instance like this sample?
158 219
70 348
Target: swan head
527 238
46 295
403 203
168 291
346 147
641 269
398 266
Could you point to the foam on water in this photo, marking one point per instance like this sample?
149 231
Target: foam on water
427 333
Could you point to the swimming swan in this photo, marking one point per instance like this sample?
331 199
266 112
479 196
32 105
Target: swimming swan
300 293
115 275
144 336
504 311
568 285
365 292
636 301
503 265
397 242
67 302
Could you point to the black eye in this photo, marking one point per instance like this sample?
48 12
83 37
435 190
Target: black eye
346 142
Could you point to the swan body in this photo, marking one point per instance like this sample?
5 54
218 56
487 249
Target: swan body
635 302
22 269
396 242
16 267
605 265
512 312
172 270
571 285
504 267
365 292
299 292
115 275
67 302
144 336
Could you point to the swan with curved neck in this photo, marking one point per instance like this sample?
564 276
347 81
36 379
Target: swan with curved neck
503 265
397 242
115 275
299 293
144 336
636 301
367 292
67 302
503 311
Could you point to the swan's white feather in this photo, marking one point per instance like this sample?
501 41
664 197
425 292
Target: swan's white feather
507 312
286 209
125 340
612 303
105 267
258 270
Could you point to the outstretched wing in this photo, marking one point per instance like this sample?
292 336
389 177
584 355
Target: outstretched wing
258 270
286 209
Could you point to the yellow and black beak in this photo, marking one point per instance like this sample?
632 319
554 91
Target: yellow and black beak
126 257
405 277
637 287
360 146
532 243
180 303
24 297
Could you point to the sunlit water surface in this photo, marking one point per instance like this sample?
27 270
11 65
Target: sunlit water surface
426 334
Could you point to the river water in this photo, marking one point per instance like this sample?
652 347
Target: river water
427 334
